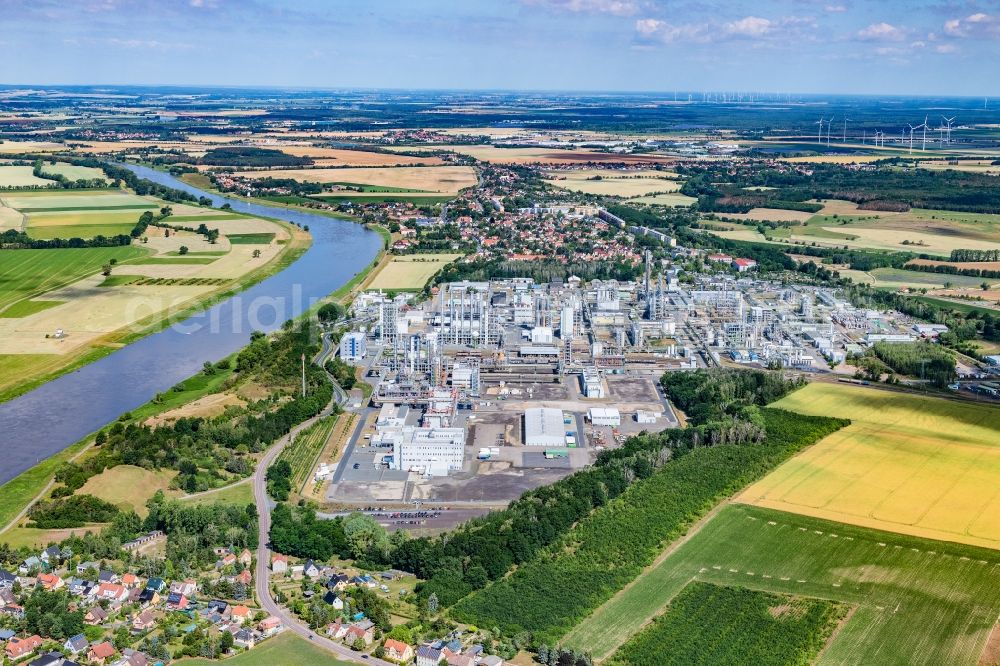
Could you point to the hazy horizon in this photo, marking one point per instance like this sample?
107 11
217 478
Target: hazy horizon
805 47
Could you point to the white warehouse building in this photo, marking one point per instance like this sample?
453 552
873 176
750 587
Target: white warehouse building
431 451
353 347
543 426
604 416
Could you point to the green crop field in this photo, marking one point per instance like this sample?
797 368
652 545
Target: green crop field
73 172
918 601
21 176
81 223
302 453
250 239
25 273
286 649
25 308
900 277
712 624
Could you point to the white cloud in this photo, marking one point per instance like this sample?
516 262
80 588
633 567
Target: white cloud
761 30
614 7
835 9
750 26
882 32
974 26
946 48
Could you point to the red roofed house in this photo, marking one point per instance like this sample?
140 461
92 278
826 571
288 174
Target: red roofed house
269 625
112 592
398 650
722 258
241 614
744 265
50 581
354 632
279 563
19 648
101 652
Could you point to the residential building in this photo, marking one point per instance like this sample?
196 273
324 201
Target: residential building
398 650
428 656
19 648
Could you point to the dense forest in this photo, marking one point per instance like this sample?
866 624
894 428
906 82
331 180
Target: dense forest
251 156
887 185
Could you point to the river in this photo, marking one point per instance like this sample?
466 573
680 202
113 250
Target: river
59 413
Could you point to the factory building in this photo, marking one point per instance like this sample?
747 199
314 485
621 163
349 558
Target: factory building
353 347
592 386
604 416
543 426
429 451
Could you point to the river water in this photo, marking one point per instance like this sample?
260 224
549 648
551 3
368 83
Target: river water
45 421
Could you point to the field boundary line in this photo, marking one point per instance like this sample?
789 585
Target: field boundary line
667 552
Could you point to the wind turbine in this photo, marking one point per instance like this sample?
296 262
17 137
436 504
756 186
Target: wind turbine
924 126
911 137
844 139
819 137
828 128
949 121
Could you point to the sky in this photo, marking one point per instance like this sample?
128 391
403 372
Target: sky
924 47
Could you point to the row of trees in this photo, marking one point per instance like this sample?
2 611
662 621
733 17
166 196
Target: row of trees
607 549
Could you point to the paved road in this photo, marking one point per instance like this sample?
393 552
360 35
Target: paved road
264 507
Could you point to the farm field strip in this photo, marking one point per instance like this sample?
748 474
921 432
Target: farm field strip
708 623
430 180
916 465
26 273
58 200
919 601
305 449
410 271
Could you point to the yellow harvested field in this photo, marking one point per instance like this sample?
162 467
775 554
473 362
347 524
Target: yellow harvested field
68 199
432 180
892 239
341 157
612 183
963 265
10 219
841 207
19 147
128 486
927 467
770 215
543 155
74 217
971 166
206 407
411 271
